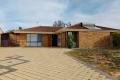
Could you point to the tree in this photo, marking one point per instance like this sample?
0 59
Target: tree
12 30
59 23
9 31
55 24
68 24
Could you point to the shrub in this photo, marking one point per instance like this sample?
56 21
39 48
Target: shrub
70 41
116 39
116 61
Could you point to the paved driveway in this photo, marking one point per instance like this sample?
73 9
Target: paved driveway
43 64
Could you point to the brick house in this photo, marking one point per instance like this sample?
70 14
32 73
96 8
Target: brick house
85 36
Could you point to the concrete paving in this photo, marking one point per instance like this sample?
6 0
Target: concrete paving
43 64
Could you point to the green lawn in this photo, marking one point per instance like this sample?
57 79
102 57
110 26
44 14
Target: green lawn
108 60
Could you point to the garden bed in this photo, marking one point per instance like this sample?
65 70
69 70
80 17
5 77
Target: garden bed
107 60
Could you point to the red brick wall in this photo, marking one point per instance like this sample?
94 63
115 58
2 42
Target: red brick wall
17 39
94 39
85 39
46 40
20 39
62 39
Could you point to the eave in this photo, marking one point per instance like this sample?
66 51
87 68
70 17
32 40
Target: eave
34 32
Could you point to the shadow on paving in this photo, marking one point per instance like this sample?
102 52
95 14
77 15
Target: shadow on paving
9 62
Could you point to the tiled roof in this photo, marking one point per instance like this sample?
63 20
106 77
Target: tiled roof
77 26
73 27
43 29
81 26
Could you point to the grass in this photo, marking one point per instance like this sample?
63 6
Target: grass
108 60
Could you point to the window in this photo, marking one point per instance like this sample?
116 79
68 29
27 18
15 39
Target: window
33 40
34 37
28 37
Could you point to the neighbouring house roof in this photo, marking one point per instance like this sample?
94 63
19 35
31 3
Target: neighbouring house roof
76 27
106 28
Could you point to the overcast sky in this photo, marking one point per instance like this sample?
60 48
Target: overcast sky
27 13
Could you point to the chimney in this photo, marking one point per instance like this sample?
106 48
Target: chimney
81 24
20 28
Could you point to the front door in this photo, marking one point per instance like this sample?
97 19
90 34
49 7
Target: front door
54 40
33 40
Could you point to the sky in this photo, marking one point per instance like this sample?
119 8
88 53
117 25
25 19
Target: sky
28 13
